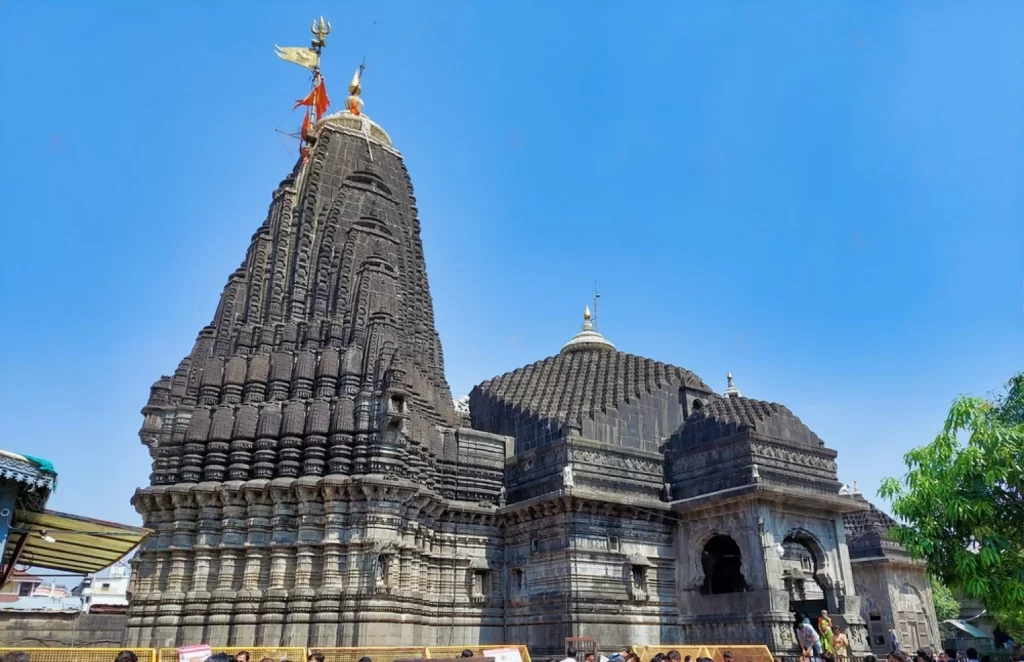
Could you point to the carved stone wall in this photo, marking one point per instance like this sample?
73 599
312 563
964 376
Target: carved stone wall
595 465
748 459
333 561
897 595
589 568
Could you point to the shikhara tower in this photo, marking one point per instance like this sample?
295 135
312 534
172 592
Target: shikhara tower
314 484
309 480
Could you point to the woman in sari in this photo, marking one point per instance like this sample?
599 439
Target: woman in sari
825 628
841 644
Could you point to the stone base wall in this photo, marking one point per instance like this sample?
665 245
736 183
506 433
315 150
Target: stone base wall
774 630
20 629
314 562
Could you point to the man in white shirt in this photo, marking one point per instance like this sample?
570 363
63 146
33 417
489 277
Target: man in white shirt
810 643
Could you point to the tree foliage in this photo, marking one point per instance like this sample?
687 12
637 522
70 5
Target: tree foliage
946 606
961 503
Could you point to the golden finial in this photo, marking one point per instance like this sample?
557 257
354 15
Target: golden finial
586 313
355 88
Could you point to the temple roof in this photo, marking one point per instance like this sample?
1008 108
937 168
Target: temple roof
867 534
724 417
576 384
867 521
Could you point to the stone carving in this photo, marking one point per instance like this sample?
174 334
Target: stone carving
568 481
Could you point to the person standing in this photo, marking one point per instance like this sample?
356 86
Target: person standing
825 630
810 642
840 644
894 640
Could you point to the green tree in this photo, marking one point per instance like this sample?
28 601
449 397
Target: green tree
946 606
961 503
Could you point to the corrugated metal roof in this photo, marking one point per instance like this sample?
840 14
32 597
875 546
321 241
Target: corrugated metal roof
968 628
80 544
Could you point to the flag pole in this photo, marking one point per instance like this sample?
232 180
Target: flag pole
320 31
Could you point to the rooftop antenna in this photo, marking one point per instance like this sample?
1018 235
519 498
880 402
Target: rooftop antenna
597 295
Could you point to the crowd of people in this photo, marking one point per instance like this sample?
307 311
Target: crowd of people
826 643
626 655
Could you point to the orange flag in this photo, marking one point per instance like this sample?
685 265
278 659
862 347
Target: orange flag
320 100
308 100
305 126
317 99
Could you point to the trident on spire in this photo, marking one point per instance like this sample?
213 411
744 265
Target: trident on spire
320 32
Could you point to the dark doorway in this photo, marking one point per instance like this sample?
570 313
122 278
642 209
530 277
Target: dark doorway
722 564
800 573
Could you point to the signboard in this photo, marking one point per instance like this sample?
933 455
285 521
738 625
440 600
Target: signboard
504 654
194 653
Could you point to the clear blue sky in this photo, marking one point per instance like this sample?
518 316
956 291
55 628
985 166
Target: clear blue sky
826 199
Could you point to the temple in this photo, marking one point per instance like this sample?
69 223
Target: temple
313 482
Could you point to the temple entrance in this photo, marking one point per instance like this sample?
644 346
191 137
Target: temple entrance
800 574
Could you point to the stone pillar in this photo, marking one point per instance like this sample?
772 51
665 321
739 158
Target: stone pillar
222 600
310 529
181 502
197 598
300 600
218 622
257 537
145 602
283 537
326 616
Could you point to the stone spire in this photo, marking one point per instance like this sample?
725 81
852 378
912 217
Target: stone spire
587 339
730 389
322 356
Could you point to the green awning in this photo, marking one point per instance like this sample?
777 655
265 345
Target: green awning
968 628
69 543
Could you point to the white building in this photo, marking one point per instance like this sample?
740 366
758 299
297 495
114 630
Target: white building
107 588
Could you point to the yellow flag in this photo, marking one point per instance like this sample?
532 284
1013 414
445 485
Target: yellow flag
303 57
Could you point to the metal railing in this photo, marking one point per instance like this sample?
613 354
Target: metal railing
256 653
81 654
441 652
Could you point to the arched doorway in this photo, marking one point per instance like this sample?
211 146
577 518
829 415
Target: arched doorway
800 566
912 619
723 566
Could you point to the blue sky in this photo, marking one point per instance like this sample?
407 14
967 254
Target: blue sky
824 198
